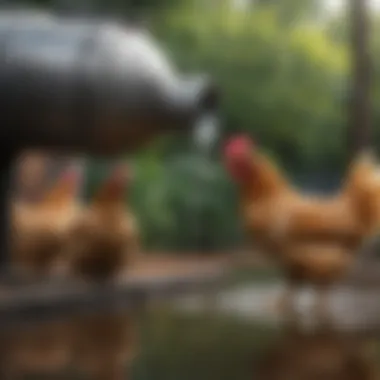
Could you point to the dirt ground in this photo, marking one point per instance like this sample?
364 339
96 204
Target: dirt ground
365 273
161 263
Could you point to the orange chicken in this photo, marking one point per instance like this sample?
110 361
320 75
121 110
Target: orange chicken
39 230
103 241
314 239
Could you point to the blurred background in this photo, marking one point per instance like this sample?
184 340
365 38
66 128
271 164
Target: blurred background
285 71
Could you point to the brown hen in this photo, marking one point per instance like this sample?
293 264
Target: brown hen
314 239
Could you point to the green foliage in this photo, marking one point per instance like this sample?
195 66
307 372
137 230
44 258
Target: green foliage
184 204
281 85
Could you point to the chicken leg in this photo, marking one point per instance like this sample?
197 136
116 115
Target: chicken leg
285 303
321 310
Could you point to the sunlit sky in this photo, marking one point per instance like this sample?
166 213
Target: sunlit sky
331 5
336 5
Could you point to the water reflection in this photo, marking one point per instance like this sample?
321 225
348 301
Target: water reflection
104 345
41 349
168 345
99 347
320 354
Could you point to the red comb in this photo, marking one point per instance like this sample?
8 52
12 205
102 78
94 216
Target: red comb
120 176
117 182
121 171
237 145
73 173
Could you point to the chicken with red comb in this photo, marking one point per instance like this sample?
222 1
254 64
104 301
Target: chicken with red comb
312 238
